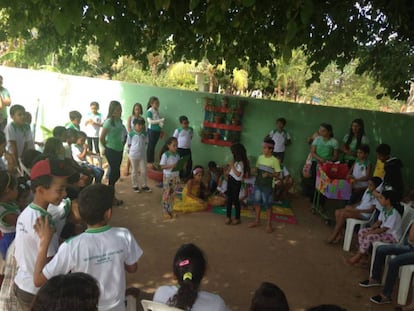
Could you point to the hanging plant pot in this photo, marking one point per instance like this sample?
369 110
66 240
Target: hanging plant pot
216 136
217 119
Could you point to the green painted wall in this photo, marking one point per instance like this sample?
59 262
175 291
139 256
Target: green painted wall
58 94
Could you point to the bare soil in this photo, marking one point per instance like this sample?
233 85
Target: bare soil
295 257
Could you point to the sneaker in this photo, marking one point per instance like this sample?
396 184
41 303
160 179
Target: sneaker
146 189
367 283
136 189
378 299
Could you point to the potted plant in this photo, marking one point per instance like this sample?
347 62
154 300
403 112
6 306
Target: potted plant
208 104
216 135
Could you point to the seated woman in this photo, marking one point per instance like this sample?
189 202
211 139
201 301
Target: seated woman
189 268
361 210
353 140
194 193
386 229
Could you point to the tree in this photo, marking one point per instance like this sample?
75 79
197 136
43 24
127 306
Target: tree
238 31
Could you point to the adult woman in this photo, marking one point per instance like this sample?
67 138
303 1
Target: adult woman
155 124
354 139
113 141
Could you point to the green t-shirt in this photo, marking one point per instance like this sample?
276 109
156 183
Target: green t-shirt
114 139
3 111
325 148
353 145
268 165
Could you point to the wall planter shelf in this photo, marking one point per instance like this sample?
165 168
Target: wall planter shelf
222 126
217 142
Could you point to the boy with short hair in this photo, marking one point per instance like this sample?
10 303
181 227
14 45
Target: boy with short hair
18 133
137 141
48 183
75 120
281 139
184 135
268 168
102 251
92 126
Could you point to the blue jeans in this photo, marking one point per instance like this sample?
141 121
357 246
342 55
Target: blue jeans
263 197
404 256
114 159
96 171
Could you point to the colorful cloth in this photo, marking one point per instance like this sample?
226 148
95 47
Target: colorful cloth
170 183
366 241
188 204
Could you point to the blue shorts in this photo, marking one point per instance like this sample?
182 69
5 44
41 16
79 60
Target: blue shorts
263 197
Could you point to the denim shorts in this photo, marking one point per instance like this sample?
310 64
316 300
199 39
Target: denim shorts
263 197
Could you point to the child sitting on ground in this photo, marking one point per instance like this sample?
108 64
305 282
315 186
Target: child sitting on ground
213 176
361 210
194 193
222 181
269 297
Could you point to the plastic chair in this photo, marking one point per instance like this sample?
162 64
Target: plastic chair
149 305
406 273
350 227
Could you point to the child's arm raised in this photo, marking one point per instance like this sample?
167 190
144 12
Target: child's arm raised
45 233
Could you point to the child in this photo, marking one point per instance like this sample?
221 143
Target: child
189 267
137 144
213 176
71 137
194 193
361 210
171 178
223 181
48 182
392 169
92 126
269 297
136 114
239 168
79 153
386 229
283 184
54 148
75 120
268 167
3 162
155 124
18 134
184 135
360 173
281 139
102 251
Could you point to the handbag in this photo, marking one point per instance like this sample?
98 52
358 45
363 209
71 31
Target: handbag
306 170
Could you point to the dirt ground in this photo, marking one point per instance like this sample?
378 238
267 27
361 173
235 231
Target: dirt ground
294 257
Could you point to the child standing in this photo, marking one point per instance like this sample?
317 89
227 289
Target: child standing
194 193
239 168
360 173
48 182
93 124
136 114
137 144
386 229
268 168
184 135
102 251
155 124
281 139
75 120
169 159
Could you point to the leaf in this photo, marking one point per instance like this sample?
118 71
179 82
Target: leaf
306 11
291 31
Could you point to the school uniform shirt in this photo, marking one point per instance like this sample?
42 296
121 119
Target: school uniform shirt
27 246
76 151
92 130
20 134
280 139
7 209
392 220
154 115
360 170
268 165
103 253
367 201
60 214
205 301
184 137
169 158
239 168
137 142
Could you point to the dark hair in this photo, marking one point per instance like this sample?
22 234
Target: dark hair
151 100
96 104
203 189
181 119
383 149
282 120
328 127
269 297
94 201
360 134
80 134
212 164
51 146
58 131
189 267
268 140
376 181
7 181
42 181
71 133
326 308
2 138
239 154
74 114
364 148
113 104
29 157
139 121
22 185
16 108
136 105
167 143
66 292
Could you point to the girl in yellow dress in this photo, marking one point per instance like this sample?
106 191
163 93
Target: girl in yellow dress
194 194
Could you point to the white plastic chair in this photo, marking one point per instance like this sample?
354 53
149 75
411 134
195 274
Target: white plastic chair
131 303
406 273
149 305
350 227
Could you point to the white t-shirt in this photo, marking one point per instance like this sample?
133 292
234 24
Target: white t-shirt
240 168
92 130
367 201
137 143
184 137
205 301
103 253
280 139
169 158
60 214
76 151
360 170
27 246
21 135
392 221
